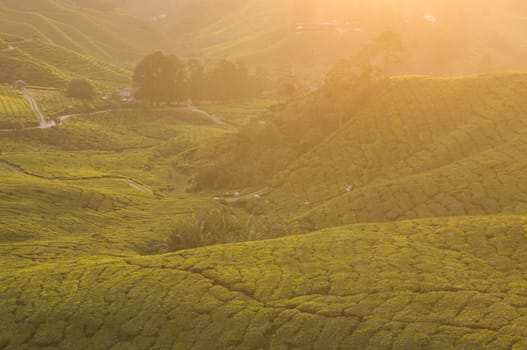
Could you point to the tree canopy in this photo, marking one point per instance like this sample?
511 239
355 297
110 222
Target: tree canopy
81 88
161 78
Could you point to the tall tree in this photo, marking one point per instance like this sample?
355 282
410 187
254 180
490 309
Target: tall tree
386 50
81 89
196 80
160 78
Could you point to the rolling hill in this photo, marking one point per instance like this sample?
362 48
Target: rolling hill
99 33
438 283
305 37
426 147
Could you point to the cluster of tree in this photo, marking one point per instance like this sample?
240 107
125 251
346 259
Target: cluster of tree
161 78
264 147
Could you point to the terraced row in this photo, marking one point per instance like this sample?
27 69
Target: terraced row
429 147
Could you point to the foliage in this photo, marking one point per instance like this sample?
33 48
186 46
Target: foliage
196 80
81 89
220 225
263 147
228 81
160 78
436 283
102 33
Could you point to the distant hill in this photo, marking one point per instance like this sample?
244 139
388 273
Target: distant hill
440 36
101 33
302 37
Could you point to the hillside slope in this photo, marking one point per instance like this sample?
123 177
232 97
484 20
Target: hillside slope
103 34
306 36
40 63
440 283
426 147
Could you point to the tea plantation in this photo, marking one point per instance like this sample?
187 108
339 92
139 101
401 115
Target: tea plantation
429 147
415 213
428 284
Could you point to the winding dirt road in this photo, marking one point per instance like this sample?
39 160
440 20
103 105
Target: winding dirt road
131 182
34 106
44 124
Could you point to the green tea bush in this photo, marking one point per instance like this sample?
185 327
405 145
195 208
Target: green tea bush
220 225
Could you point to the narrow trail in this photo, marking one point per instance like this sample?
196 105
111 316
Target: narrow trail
34 106
130 181
252 195
8 48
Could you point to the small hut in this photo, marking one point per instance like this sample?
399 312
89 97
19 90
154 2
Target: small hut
20 85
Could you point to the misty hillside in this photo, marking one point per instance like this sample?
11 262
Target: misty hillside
466 37
96 32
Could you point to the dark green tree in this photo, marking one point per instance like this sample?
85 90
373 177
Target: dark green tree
196 80
231 81
81 89
160 78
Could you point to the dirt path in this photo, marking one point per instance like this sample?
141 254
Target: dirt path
252 195
44 124
9 48
131 182
34 106
194 109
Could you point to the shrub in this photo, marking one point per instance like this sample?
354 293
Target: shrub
81 89
220 225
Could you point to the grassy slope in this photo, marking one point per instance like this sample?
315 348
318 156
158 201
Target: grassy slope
40 63
440 283
471 37
90 175
429 147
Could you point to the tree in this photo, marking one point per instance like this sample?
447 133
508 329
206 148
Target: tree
229 81
81 89
386 51
196 80
160 78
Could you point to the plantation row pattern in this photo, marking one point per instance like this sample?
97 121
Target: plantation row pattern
439 283
429 147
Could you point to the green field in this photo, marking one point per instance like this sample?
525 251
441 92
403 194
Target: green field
14 110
